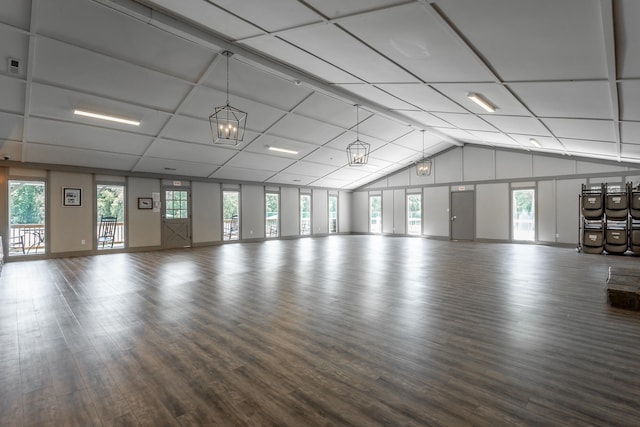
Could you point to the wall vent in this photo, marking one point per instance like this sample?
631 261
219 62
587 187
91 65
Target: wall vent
13 66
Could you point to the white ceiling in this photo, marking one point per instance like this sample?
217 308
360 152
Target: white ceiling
565 72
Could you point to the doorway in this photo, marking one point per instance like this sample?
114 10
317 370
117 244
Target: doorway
27 228
176 218
523 214
462 215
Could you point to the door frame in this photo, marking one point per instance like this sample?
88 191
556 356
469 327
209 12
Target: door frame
452 213
163 195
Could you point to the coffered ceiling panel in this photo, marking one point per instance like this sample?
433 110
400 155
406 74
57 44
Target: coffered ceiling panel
566 99
466 121
16 13
328 156
252 83
594 130
208 16
268 15
303 129
39 153
514 124
310 169
203 101
498 95
72 20
53 102
422 96
13 93
562 71
576 146
534 40
241 174
72 67
205 153
322 40
10 127
86 137
414 39
259 161
300 58
174 167
628 33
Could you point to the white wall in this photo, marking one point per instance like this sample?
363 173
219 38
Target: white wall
399 212
387 211
320 211
554 177
206 205
252 211
143 226
436 211
69 226
360 212
345 203
492 211
290 211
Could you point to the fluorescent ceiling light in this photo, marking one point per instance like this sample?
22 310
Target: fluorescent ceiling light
481 101
535 142
105 117
282 150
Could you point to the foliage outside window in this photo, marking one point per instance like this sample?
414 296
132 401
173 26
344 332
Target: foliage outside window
414 213
333 214
272 208
305 214
231 215
375 214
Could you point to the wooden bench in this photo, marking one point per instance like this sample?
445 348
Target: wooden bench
623 288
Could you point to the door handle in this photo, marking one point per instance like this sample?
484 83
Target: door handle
453 218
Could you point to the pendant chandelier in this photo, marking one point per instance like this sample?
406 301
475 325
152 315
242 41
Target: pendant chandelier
227 123
423 167
358 151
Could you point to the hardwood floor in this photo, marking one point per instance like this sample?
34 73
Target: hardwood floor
344 330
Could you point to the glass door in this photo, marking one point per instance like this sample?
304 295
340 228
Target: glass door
27 228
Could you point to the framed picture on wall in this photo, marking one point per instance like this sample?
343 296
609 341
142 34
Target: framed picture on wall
145 203
71 196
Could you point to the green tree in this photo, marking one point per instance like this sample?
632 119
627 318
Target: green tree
230 204
524 201
110 201
414 205
272 204
305 206
27 203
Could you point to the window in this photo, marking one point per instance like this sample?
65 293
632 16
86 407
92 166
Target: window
110 204
231 215
333 214
27 228
523 214
305 214
272 208
375 214
414 213
177 204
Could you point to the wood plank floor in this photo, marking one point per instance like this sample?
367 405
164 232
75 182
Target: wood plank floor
344 330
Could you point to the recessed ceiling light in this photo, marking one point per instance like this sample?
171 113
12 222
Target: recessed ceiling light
481 101
106 117
535 142
283 150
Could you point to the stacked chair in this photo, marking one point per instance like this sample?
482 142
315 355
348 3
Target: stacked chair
616 213
592 214
610 219
634 213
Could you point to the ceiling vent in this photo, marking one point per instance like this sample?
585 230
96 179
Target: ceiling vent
13 66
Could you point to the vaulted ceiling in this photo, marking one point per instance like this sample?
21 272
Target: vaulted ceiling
563 72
